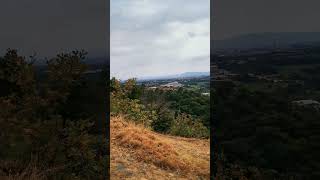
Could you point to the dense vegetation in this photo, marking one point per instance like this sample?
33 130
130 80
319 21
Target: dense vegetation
180 112
51 122
260 132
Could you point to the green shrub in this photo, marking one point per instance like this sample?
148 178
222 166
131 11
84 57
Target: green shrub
184 126
132 109
163 122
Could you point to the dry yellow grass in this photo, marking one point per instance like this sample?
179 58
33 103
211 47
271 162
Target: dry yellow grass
139 153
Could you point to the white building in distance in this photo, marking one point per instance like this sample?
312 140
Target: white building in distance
172 85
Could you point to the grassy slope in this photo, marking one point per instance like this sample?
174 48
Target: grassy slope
138 153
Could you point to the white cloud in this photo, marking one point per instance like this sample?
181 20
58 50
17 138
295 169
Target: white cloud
152 37
143 9
186 39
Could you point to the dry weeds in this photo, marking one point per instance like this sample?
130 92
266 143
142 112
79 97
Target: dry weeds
143 154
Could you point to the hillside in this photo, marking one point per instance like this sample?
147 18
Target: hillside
139 153
268 40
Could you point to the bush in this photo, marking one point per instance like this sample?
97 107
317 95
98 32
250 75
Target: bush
82 150
163 123
132 109
184 126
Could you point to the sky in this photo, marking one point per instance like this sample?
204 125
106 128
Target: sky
237 17
48 27
159 37
148 37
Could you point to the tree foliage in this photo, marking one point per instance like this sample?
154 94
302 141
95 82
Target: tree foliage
158 109
34 128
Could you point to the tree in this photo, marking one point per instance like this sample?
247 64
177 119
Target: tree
16 75
31 114
131 89
115 86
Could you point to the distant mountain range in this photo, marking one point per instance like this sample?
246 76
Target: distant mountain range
267 40
177 76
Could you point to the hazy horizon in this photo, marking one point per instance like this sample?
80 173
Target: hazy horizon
156 38
157 76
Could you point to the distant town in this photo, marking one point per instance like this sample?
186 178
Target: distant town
197 83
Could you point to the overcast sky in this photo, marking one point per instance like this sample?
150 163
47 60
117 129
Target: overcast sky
159 37
51 26
236 17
